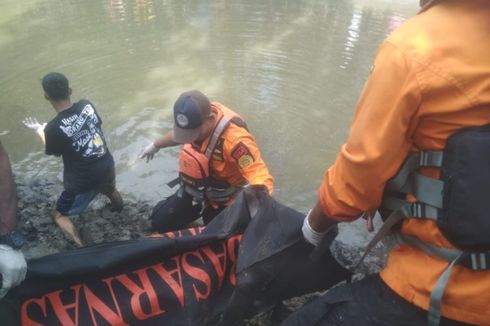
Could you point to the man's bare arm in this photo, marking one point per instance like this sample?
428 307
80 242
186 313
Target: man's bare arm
8 197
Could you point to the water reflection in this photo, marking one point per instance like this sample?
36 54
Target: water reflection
117 10
137 11
352 37
395 22
292 68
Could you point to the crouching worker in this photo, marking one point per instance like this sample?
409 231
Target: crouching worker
219 158
76 135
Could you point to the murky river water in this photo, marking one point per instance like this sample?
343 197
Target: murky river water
292 68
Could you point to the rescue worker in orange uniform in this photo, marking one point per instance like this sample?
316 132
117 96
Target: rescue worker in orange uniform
218 159
430 80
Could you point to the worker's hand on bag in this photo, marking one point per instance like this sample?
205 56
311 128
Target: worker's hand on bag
13 268
33 124
310 235
149 152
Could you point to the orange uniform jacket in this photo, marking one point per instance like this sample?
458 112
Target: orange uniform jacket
236 158
431 77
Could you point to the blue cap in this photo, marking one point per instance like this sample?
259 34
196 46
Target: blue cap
190 110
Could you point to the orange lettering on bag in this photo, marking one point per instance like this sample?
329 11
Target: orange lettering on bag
138 292
198 274
168 278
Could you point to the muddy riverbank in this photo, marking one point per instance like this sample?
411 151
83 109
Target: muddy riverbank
36 199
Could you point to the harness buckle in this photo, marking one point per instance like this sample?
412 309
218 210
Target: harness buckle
417 210
478 261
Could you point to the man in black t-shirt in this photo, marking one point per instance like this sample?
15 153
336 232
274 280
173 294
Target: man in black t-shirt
76 135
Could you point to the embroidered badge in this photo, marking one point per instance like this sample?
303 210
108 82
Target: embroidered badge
245 161
243 156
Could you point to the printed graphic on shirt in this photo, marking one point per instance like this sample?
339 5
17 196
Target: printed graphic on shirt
242 155
84 132
218 151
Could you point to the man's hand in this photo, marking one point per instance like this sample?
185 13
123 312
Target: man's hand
149 152
13 268
311 235
316 225
33 124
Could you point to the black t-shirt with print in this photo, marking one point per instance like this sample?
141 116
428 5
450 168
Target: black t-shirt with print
76 135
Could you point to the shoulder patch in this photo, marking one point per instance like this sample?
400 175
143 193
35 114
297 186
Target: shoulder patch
242 155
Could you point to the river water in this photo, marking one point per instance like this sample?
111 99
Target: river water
292 68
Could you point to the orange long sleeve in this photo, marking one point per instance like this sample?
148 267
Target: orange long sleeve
379 139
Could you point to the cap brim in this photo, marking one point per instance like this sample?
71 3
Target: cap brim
185 136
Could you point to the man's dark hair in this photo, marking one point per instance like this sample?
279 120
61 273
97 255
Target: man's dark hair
55 85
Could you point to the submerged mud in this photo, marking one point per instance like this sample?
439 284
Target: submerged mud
36 200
